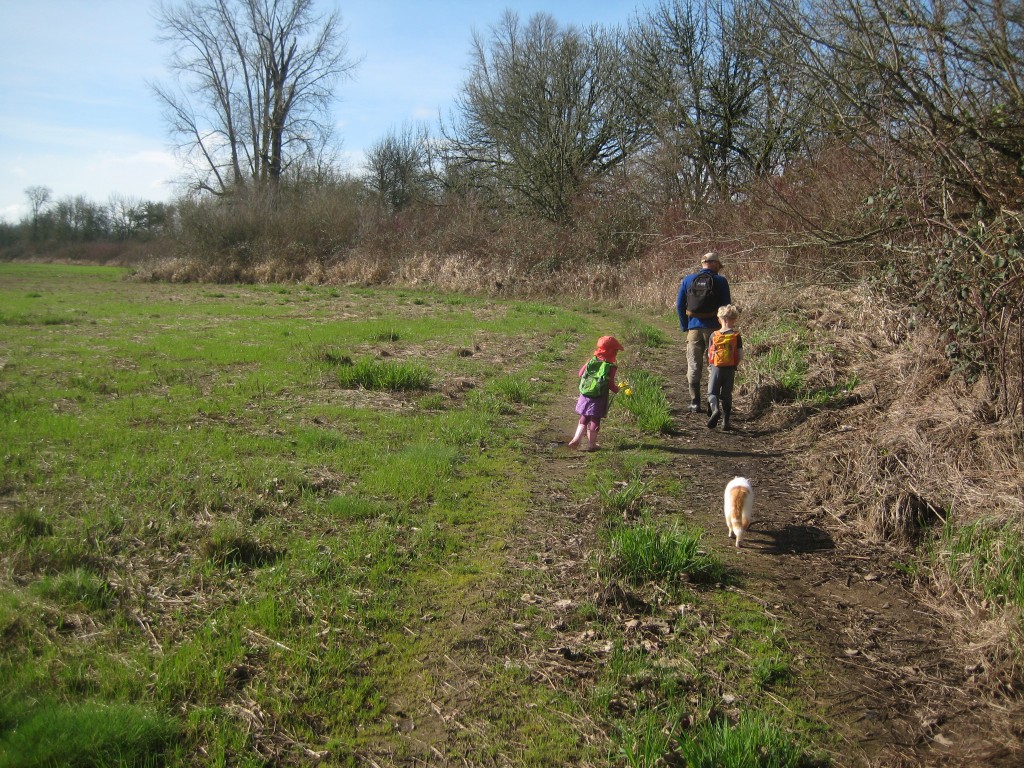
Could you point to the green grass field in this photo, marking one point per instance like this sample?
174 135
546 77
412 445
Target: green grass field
239 526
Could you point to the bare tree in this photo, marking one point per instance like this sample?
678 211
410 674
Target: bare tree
38 198
126 216
936 89
254 81
717 86
78 219
398 167
941 81
541 113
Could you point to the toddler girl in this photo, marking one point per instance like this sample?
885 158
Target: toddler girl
597 379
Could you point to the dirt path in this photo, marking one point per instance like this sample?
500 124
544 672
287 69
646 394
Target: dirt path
888 680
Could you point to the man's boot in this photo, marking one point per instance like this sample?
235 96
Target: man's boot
695 398
715 411
726 412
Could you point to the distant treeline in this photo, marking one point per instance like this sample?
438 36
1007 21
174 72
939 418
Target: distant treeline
76 219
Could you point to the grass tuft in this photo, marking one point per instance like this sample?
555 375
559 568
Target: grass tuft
989 559
645 553
83 736
29 524
512 389
332 356
79 587
232 549
384 376
753 742
643 335
624 498
771 671
646 744
648 404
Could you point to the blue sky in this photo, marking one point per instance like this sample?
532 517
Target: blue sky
77 115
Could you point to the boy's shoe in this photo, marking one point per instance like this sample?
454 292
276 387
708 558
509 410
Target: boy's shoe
715 416
694 407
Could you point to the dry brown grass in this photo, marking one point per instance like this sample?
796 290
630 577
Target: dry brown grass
917 451
925 442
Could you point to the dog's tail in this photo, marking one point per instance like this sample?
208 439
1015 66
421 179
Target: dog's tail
738 517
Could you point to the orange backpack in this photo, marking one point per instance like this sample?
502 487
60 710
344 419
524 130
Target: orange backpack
724 349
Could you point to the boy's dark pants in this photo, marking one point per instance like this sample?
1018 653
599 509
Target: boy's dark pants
720 383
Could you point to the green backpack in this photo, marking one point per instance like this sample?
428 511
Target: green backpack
594 381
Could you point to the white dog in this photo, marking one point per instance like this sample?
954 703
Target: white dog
739 506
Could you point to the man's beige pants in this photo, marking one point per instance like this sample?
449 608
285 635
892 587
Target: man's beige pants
696 354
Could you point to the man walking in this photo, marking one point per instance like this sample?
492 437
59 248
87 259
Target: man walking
700 296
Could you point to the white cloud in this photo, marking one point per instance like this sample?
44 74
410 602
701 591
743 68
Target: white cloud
14 213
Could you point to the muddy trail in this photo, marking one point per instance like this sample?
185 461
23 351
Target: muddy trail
886 677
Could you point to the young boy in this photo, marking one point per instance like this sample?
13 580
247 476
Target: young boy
725 350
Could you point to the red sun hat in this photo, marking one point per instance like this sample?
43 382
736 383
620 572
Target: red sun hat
607 348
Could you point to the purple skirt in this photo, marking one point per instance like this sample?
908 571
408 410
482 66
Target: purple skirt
592 406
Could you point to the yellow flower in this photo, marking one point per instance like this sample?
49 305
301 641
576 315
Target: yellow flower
628 391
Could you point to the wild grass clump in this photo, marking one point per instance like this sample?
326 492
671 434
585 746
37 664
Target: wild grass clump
989 559
389 335
512 388
418 472
647 404
786 365
770 671
32 319
332 356
29 524
78 587
755 741
83 736
646 744
644 335
645 553
384 376
625 498
231 549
